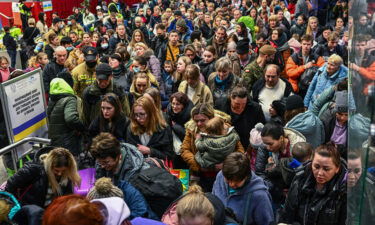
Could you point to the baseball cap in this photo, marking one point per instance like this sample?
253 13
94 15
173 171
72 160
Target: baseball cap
90 53
103 71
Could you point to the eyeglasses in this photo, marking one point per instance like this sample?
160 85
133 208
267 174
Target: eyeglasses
103 163
140 115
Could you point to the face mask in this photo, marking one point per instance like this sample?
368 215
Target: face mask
105 45
136 70
91 64
69 22
70 48
61 26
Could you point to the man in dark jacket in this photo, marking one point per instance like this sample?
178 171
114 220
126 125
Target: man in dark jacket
244 113
56 69
172 49
92 94
11 46
178 15
160 39
119 37
332 47
270 88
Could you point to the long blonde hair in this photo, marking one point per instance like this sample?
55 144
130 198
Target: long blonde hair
181 76
60 157
154 121
195 204
309 31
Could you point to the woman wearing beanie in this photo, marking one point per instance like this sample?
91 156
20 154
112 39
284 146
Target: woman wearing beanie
307 123
133 198
121 78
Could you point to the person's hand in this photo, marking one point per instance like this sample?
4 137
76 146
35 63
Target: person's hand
219 166
308 65
173 123
354 67
270 160
144 149
197 136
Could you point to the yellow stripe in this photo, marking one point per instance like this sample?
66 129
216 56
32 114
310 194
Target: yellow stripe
30 130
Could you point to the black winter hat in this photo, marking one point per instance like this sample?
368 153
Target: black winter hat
279 107
103 71
294 102
243 46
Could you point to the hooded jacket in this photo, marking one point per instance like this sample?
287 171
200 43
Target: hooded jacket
64 122
323 81
213 149
308 206
310 126
115 209
260 210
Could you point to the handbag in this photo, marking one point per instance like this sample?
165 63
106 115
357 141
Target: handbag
88 181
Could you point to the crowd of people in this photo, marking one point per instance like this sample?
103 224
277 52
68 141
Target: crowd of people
251 96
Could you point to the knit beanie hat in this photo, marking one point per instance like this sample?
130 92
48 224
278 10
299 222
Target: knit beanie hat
341 101
104 189
255 136
181 23
294 102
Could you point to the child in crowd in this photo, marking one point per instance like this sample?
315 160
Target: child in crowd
301 153
216 144
167 77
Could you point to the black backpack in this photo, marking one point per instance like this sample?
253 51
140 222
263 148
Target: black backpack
159 187
306 78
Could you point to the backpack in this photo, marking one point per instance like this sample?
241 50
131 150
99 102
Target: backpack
159 187
306 78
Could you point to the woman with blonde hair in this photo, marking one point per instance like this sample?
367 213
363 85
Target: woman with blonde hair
49 176
137 37
179 75
313 28
148 130
195 89
140 83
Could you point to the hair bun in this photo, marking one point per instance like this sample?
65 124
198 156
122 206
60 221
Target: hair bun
103 185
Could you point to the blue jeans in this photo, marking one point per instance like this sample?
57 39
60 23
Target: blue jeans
13 56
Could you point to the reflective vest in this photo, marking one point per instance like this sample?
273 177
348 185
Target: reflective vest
22 11
109 6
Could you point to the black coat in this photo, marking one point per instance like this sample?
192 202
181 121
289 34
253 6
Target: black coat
207 68
9 42
53 70
180 119
308 206
161 142
29 34
244 122
31 182
49 51
118 130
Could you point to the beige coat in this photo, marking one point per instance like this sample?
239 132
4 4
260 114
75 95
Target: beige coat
202 93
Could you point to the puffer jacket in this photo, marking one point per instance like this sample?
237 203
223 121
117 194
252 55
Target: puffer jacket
137 203
155 68
64 122
31 182
295 67
323 81
221 89
308 206
122 78
273 177
179 119
310 126
213 149
132 161
188 148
